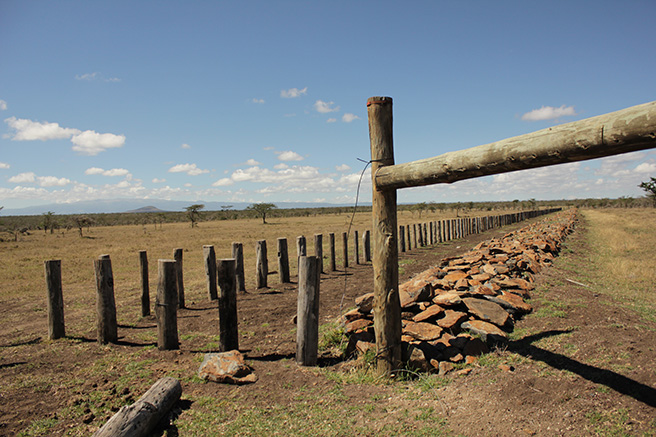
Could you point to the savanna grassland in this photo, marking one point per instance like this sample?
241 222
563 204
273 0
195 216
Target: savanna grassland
579 363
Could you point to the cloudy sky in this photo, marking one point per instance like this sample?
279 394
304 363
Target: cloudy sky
266 101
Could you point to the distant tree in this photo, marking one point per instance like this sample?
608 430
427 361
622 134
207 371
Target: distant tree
193 213
81 221
420 207
49 222
262 209
650 189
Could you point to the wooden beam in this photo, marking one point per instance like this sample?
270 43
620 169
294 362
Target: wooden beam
628 130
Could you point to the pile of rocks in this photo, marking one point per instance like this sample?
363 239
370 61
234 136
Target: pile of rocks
460 308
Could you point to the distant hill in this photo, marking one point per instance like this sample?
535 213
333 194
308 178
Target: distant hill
146 209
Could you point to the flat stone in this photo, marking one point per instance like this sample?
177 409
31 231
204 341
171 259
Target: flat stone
511 302
365 302
489 333
417 360
357 325
452 319
422 330
481 277
349 316
226 367
448 299
462 284
414 291
488 311
431 312
489 269
484 290
519 283
445 367
455 276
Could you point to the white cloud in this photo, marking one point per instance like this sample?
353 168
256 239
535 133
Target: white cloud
549 113
52 181
158 181
293 93
190 169
258 101
96 76
185 146
3 105
325 107
289 156
252 162
646 167
223 182
92 143
331 120
23 178
111 172
281 166
28 130
348 117
342 168
4 165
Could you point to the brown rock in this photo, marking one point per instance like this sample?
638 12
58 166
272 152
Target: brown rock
464 372
349 316
512 303
489 269
447 299
422 330
488 311
357 325
490 333
429 313
226 367
455 276
365 302
452 319
462 284
453 354
414 291
445 367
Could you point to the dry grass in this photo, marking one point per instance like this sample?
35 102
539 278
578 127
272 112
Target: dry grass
623 247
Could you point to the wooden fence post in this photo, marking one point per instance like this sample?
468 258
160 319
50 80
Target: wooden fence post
333 264
402 238
409 243
228 324
166 305
307 311
301 246
283 260
56 327
177 256
431 235
345 249
367 246
238 255
210 271
105 304
356 246
387 306
145 287
262 266
424 227
318 250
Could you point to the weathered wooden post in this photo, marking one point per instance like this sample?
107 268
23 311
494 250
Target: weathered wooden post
402 238
262 265
333 264
421 235
409 243
367 245
414 234
318 250
210 271
238 255
145 287
356 246
307 312
387 306
345 249
56 327
228 324
424 227
431 235
301 246
283 261
177 256
166 305
105 303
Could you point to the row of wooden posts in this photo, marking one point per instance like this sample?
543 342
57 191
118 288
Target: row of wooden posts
225 277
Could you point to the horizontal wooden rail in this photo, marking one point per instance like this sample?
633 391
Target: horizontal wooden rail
623 131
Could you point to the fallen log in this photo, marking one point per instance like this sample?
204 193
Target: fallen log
140 418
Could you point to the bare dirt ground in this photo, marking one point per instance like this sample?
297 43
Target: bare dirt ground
579 365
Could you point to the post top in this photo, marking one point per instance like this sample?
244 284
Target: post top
379 100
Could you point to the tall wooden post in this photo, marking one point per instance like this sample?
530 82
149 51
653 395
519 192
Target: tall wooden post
145 287
318 250
402 238
301 246
210 271
356 246
387 306
56 327
283 261
333 264
262 265
345 249
105 303
177 256
228 325
409 243
367 245
166 305
238 255
307 311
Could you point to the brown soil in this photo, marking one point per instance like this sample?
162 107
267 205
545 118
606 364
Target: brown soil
578 374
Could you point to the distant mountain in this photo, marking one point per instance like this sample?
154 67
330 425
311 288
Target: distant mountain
106 206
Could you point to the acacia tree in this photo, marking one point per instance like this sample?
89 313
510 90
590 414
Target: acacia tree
193 213
262 209
650 189
49 222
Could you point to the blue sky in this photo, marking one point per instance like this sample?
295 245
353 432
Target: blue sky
265 101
